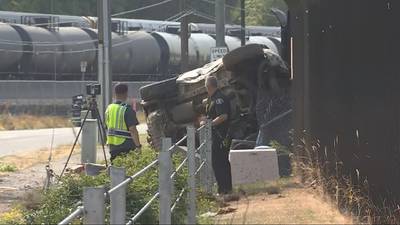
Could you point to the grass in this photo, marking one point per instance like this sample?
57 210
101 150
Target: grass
324 172
21 122
284 201
273 187
14 216
6 167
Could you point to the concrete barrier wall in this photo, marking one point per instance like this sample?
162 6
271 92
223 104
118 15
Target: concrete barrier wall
36 96
39 90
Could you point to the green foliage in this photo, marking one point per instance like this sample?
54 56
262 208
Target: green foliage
59 201
12 217
205 204
280 149
258 12
4 167
284 158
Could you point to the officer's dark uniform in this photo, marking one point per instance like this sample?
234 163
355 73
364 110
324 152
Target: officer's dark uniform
217 105
127 145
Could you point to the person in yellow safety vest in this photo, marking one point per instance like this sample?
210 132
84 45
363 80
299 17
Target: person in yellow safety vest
121 122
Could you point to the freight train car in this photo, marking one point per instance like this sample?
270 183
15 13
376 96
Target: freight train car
131 24
70 53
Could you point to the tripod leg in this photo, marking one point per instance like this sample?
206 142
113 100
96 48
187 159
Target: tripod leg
102 134
76 140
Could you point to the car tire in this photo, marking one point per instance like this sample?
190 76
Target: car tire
242 54
159 125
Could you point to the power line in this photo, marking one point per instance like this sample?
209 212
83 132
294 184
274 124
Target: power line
204 15
180 16
142 8
226 5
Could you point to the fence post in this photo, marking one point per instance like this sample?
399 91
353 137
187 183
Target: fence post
118 197
208 149
165 182
191 154
203 171
93 203
89 141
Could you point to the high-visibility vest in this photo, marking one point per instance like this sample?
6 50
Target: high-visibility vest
117 132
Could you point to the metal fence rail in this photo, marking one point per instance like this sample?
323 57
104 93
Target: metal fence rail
78 212
93 209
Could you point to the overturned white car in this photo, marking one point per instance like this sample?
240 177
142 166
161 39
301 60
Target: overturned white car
255 79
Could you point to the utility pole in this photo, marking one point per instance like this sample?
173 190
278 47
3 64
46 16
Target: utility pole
104 54
220 22
242 22
184 38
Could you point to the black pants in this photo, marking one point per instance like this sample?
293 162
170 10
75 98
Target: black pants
221 165
124 148
118 152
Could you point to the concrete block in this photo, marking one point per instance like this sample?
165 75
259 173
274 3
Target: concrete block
92 169
89 142
254 165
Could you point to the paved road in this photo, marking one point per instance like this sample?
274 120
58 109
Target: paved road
13 142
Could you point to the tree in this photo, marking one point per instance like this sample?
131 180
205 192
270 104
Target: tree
258 12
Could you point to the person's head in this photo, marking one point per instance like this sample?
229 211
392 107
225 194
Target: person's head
121 91
211 85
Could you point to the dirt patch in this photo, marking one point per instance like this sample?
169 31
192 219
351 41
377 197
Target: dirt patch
295 205
16 187
21 122
29 159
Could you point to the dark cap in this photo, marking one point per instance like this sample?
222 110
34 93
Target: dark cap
121 89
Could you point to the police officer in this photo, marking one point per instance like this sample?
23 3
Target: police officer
121 122
218 110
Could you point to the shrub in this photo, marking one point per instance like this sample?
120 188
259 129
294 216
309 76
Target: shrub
62 199
59 201
14 216
7 167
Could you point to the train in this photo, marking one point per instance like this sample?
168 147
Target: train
41 47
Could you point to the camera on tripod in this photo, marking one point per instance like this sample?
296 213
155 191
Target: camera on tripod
93 89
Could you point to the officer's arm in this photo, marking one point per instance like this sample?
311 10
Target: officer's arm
131 123
135 135
219 119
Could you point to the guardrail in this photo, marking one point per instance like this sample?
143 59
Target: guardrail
198 161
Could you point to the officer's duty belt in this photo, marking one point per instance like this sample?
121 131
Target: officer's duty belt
119 133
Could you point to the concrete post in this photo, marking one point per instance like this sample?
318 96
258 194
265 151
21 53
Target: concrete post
165 182
104 56
191 154
118 197
208 150
89 142
93 204
220 22
242 22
